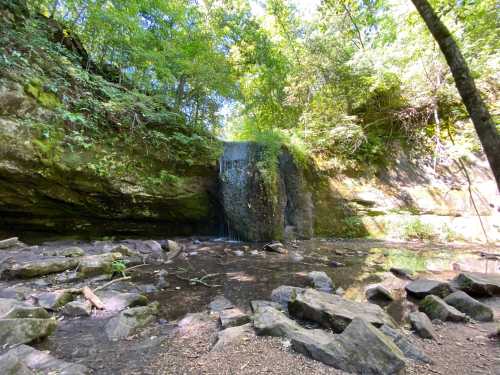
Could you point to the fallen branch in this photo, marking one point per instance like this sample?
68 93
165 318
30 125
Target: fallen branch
200 280
89 295
134 267
112 282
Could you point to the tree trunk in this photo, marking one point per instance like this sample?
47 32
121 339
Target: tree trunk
481 118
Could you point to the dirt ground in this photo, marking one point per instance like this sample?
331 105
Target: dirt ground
459 350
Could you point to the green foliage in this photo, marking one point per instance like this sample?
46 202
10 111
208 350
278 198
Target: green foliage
352 227
415 229
359 80
118 267
349 85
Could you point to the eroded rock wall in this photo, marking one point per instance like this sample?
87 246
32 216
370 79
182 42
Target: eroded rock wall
264 199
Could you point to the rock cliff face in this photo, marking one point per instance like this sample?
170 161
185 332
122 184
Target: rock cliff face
79 153
264 202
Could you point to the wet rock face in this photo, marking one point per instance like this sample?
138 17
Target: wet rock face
259 201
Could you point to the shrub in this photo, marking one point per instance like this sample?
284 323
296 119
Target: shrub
418 230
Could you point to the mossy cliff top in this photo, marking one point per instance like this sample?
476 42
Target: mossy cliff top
77 146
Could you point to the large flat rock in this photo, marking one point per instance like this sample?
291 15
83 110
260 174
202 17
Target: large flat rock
92 265
117 301
25 360
12 309
38 267
23 331
423 287
130 320
334 312
478 284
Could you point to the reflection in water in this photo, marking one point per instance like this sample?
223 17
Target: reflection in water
256 273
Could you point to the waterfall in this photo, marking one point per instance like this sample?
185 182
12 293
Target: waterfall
253 210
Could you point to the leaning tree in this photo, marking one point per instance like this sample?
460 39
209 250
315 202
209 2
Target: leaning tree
481 118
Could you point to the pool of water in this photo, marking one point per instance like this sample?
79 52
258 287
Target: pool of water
243 272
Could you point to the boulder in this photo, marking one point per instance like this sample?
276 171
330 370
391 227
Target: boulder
402 273
150 247
258 304
12 365
422 325
172 246
468 305
334 312
424 287
379 293
73 252
320 281
361 348
268 321
405 345
130 320
29 361
54 300
232 336
13 309
77 308
233 317
436 308
117 301
92 265
153 246
123 250
39 267
276 247
162 282
18 293
10 242
478 284
220 303
284 294
25 330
